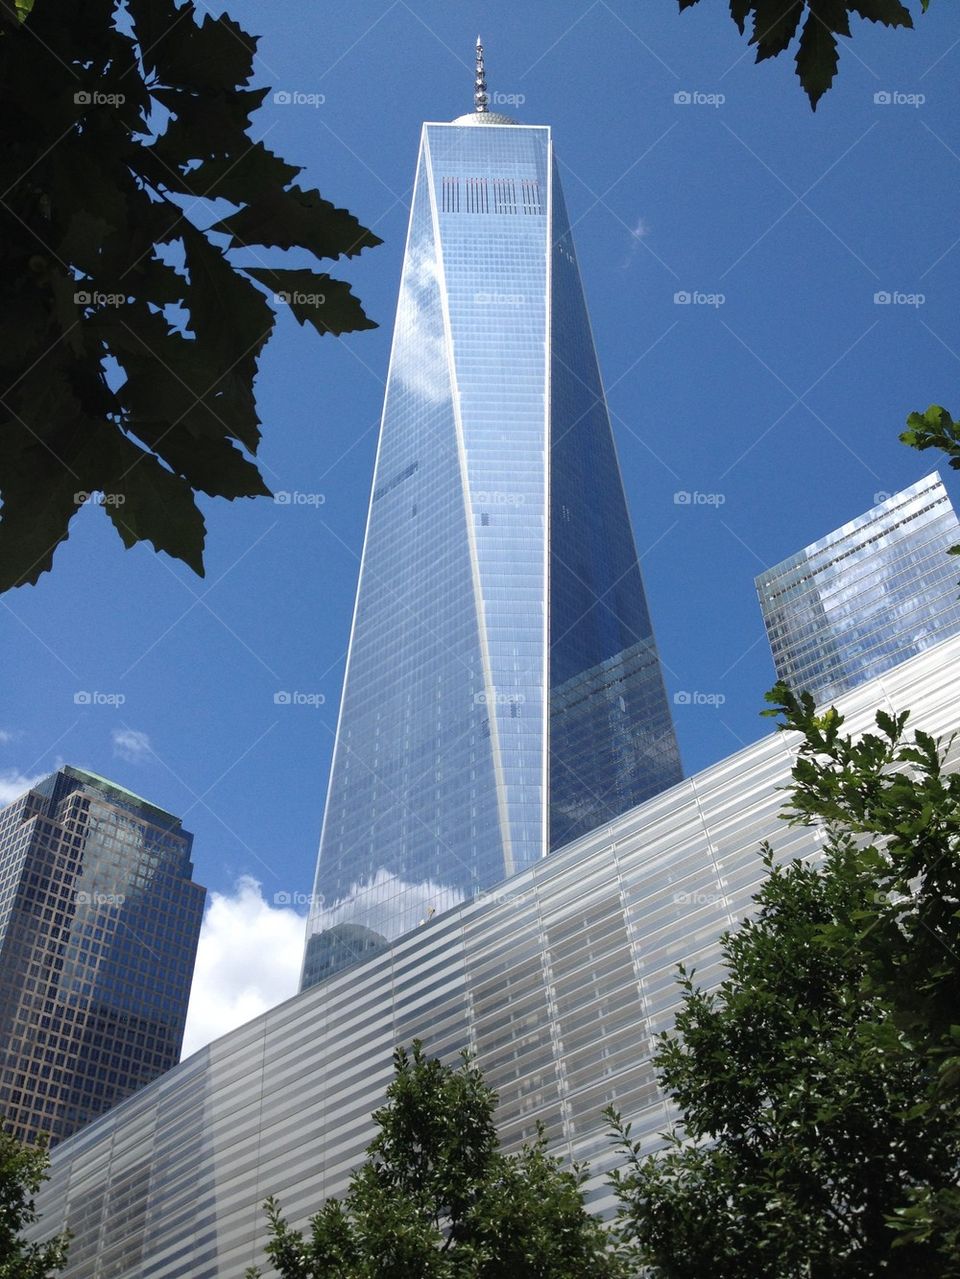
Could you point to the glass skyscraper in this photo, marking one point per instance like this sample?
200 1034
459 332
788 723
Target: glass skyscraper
865 597
99 922
503 693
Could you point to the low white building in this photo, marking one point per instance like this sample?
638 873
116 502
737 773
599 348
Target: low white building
558 980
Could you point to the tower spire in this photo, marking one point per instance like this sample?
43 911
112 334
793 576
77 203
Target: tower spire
480 96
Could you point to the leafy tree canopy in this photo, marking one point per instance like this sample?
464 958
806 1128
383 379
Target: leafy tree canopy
935 429
129 337
818 1085
22 1171
776 23
439 1200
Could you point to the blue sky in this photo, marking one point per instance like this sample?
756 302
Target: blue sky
783 402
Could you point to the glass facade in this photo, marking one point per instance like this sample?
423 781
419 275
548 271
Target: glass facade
876 591
559 981
99 922
498 563
612 743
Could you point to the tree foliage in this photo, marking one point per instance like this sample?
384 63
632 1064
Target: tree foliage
22 1171
935 429
818 1085
815 24
129 335
438 1199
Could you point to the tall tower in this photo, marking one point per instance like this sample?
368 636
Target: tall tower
99 922
503 693
874 592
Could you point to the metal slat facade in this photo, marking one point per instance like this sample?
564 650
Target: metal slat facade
558 980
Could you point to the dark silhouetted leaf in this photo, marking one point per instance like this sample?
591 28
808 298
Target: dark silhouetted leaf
775 25
314 298
283 219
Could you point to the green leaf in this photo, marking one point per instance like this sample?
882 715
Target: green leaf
285 219
83 242
229 316
775 25
67 308
208 124
890 12
315 298
817 58
34 521
740 11
234 178
209 465
39 474
170 379
157 506
216 54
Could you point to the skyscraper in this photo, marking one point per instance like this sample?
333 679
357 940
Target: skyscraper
869 595
99 921
503 693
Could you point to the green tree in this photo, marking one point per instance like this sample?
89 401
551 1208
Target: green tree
438 1199
776 23
817 1087
935 429
129 329
22 1171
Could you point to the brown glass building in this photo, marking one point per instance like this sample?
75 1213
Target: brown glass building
99 923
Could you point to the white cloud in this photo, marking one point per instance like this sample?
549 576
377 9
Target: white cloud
248 960
389 905
420 362
130 744
5 736
13 784
639 231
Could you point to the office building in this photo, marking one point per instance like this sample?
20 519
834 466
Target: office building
99 921
861 599
503 693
